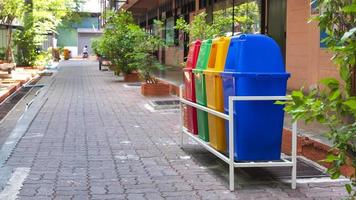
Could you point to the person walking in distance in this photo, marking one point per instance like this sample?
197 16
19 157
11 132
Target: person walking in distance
85 52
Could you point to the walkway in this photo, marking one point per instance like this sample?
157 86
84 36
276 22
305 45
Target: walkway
94 139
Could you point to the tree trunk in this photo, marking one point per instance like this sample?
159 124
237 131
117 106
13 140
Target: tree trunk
8 54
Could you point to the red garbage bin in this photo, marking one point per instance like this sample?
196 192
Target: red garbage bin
189 83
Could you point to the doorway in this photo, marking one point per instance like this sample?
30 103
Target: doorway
275 20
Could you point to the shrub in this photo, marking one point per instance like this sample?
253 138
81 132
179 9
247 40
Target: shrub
120 38
143 57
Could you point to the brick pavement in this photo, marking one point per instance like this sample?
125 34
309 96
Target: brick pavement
94 139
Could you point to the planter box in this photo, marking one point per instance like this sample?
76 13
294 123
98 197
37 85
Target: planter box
132 77
158 89
312 149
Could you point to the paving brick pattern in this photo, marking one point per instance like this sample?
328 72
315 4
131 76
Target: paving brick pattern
94 139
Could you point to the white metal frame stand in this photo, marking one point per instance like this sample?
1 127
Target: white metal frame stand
230 159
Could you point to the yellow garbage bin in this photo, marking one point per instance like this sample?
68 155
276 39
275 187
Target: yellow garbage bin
214 91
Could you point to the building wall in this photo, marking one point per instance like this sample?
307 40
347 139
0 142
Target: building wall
174 56
305 60
85 39
88 22
68 37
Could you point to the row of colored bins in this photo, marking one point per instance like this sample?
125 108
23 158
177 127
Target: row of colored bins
245 65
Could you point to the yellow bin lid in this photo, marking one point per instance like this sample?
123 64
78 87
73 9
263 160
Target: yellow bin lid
218 53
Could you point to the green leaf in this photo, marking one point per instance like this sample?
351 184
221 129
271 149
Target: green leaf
280 102
348 188
349 9
331 83
330 158
334 95
344 73
335 175
351 103
297 97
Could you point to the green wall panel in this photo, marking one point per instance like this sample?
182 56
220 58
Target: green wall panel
67 37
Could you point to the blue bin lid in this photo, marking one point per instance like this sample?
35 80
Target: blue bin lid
254 53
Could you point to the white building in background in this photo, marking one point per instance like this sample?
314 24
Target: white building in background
82 33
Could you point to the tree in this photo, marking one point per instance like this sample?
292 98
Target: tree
42 18
333 105
48 15
246 16
10 10
199 28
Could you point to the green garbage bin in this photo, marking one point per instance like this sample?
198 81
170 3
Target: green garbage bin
200 93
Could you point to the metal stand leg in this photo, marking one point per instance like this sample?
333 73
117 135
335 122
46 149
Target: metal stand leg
230 160
181 115
231 145
294 155
100 63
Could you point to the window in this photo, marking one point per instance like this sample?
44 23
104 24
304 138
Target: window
314 10
323 35
203 3
170 31
247 17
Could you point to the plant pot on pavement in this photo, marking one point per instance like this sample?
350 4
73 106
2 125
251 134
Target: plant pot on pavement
132 77
156 89
9 67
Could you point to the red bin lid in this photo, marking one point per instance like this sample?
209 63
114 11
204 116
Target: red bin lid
193 53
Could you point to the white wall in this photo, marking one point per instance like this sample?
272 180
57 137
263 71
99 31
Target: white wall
91 6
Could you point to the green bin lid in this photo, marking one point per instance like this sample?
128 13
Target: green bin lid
204 53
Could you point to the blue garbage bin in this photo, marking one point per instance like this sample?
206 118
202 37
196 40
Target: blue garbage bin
254 67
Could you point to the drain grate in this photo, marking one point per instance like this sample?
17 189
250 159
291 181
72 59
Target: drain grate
6 106
164 104
305 169
46 73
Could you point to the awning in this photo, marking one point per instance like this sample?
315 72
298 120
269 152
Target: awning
140 7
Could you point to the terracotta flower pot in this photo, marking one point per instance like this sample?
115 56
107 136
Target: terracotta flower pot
157 89
132 77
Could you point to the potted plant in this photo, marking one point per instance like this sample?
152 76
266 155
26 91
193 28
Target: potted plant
144 59
120 38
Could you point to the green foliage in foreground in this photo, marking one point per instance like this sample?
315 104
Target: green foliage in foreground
333 105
